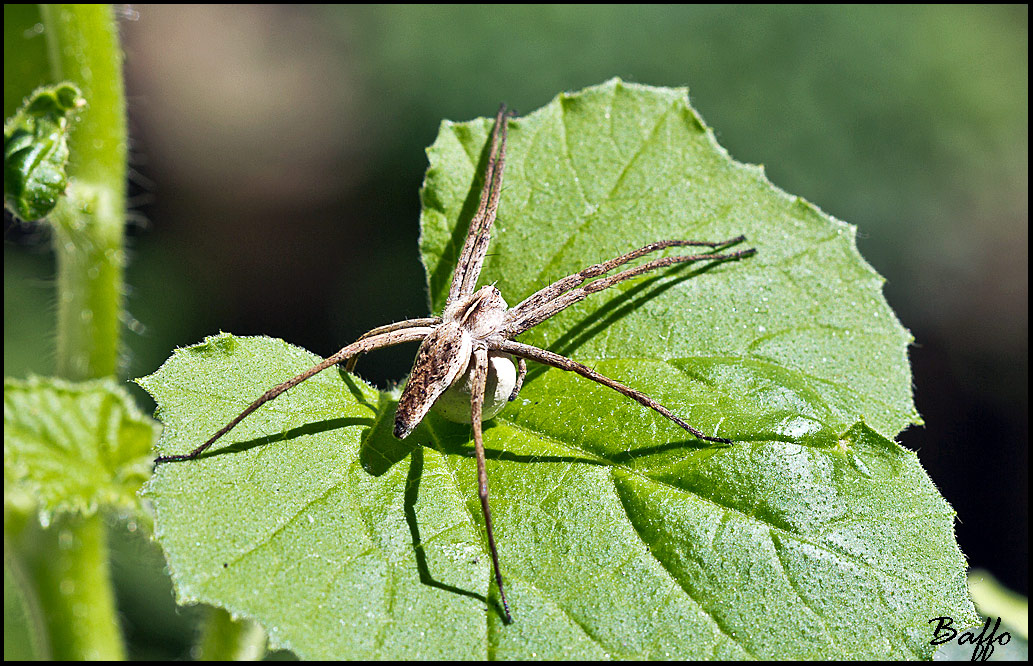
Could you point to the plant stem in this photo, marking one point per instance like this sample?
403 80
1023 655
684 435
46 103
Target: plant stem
225 639
82 42
75 589
90 264
25 628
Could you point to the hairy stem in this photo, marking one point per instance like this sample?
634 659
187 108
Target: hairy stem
82 43
71 569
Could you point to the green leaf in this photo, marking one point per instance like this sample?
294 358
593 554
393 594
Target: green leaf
36 150
74 447
813 536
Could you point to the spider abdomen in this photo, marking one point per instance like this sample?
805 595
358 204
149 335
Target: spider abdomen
454 403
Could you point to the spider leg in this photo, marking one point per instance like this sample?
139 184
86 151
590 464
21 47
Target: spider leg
566 292
408 323
563 363
480 378
471 259
521 374
360 346
562 285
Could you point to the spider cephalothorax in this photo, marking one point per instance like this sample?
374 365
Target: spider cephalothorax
475 333
442 376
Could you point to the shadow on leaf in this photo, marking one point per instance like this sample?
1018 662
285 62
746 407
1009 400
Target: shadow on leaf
412 494
308 429
380 449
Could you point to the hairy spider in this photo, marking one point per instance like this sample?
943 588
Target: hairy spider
477 329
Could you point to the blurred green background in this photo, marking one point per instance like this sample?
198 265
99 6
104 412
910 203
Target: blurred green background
277 154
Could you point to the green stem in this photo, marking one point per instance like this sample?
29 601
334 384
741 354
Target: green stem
90 265
225 639
71 567
82 42
25 627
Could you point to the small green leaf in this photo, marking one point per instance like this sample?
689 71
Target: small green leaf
812 536
36 150
74 446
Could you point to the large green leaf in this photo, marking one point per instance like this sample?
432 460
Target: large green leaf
814 535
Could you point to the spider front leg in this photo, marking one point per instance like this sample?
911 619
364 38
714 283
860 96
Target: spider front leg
360 346
480 379
387 328
478 236
563 363
567 291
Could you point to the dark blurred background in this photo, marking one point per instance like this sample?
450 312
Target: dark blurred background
278 152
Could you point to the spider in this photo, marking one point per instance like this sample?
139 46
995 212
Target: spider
474 334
